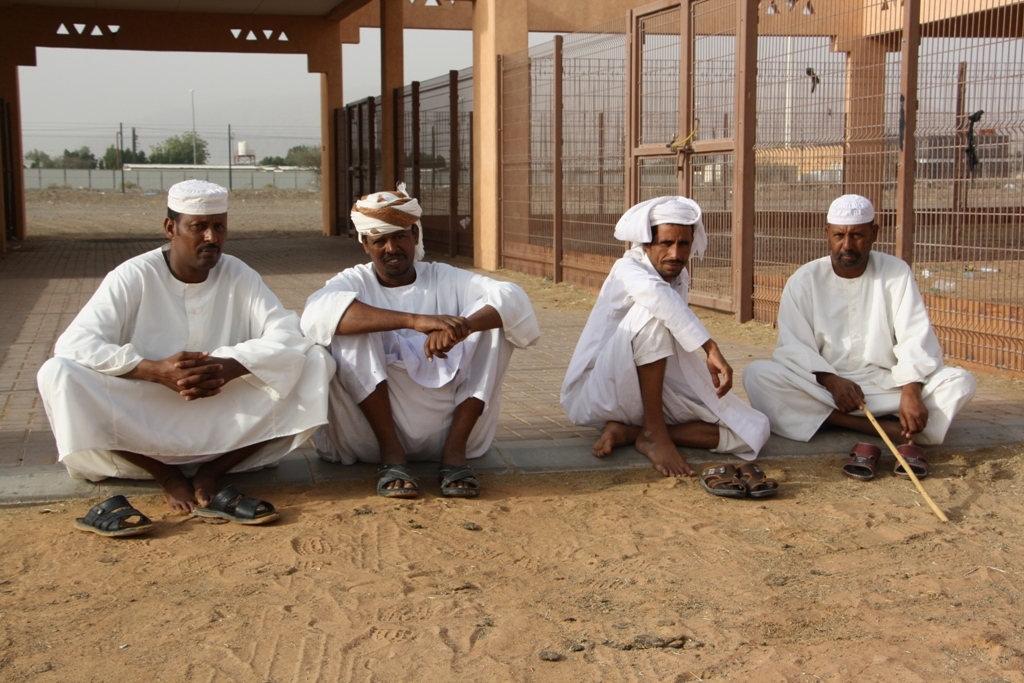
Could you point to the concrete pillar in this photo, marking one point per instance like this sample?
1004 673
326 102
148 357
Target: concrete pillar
499 27
9 92
326 60
331 165
392 76
863 158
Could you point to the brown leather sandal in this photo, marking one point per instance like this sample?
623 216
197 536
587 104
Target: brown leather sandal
721 480
862 462
914 456
758 485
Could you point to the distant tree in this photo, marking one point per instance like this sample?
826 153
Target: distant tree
273 161
178 150
77 158
110 159
305 156
39 159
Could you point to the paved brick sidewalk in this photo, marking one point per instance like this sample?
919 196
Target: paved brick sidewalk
46 282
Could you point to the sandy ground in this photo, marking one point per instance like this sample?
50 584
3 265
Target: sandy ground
589 577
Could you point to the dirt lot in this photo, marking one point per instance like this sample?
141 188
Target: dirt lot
589 577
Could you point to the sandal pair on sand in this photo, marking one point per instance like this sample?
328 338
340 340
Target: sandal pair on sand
862 461
447 477
116 518
730 481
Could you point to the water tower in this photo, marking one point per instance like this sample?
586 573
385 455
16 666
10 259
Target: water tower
246 155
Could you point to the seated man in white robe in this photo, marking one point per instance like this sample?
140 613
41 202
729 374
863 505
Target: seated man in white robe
853 330
184 366
636 373
421 350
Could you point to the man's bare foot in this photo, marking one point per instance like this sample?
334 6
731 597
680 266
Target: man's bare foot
205 486
397 459
455 459
178 493
893 429
664 456
613 435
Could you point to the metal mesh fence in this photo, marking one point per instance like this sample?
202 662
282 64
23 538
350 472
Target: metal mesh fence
659 77
591 114
969 198
827 124
526 164
436 168
593 150
714 68
711 276
830 120
464 89
435 146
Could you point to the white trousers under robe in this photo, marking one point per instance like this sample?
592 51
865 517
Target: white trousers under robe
422 415
647 342
797 407
93 415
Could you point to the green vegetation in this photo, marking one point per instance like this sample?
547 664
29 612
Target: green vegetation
178 150
79 158
110 159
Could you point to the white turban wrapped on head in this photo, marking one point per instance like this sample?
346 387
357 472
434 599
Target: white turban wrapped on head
851 209
635 225
380 213
197 198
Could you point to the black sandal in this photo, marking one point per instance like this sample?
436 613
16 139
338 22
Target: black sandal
110 519
448 475
389 473
230 505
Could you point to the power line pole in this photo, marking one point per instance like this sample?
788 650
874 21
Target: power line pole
229 156
192 92
120 144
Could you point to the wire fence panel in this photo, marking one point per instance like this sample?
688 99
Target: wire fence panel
593 150
711 276
437 168
969 199
659 77
158 180
526 242
408 161
830 120
435 146
714 68
827 125
465 153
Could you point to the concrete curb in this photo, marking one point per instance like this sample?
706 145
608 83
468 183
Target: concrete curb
51 483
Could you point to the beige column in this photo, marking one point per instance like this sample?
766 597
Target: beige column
499 27
863 158
326 59
331 165
392 76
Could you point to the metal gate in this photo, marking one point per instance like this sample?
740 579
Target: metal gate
8 210
363 148
683 129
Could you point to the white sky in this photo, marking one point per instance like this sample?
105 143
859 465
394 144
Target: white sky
78 97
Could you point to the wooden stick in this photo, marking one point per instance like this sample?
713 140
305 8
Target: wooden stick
906 467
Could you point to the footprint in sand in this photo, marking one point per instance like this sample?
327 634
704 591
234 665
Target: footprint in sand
311 546
392 635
